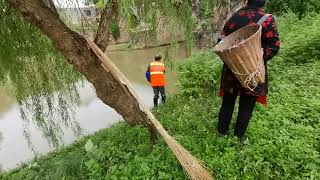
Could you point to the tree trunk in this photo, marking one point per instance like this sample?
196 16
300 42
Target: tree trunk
53 7
103 33
75 50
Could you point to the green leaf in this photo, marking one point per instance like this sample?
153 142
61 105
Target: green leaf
101 4
88 146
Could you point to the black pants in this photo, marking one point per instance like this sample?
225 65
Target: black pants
156 91
246 107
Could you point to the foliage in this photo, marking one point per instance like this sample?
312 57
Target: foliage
115 29
36 70
305 47
199 74
299 7
146 14
282 141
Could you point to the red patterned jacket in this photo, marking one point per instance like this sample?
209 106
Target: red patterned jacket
270 43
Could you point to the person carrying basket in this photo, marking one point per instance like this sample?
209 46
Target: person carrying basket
230 87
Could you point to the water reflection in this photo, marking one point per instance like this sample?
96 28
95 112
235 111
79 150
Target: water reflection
92 115
134 63
6 99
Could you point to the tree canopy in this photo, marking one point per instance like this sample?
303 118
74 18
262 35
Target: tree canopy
36 70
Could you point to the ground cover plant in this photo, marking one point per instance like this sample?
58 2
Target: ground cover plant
282 142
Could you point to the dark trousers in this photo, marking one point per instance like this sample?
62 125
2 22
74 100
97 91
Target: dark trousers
158 90
246 107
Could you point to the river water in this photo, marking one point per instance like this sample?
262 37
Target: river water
92 114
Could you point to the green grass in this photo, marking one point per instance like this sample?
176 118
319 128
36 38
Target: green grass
282 141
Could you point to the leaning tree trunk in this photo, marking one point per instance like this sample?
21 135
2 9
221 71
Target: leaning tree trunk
75 50
53 7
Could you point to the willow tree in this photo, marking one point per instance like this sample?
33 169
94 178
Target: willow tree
38 66
37 69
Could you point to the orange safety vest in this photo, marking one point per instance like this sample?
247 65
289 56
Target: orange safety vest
157 70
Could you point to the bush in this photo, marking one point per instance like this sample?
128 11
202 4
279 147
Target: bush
115 29
198 74
300 45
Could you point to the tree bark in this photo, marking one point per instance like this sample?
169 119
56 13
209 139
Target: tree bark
53 7
74 48
103 33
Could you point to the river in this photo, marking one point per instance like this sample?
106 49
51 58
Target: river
92 114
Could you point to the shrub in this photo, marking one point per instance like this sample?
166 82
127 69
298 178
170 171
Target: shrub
198 74
299 45
115 29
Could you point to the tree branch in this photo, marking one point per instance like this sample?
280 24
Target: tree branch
103 32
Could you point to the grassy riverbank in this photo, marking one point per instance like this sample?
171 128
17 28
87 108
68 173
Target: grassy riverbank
282 142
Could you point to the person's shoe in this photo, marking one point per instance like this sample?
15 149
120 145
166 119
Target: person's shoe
155 102
220 134
221 131
163 99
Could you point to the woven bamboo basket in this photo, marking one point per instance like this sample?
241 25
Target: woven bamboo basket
242 52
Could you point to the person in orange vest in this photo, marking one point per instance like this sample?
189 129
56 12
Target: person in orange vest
156 76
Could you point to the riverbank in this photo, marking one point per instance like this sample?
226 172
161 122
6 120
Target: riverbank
126 46
282 142
91 114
